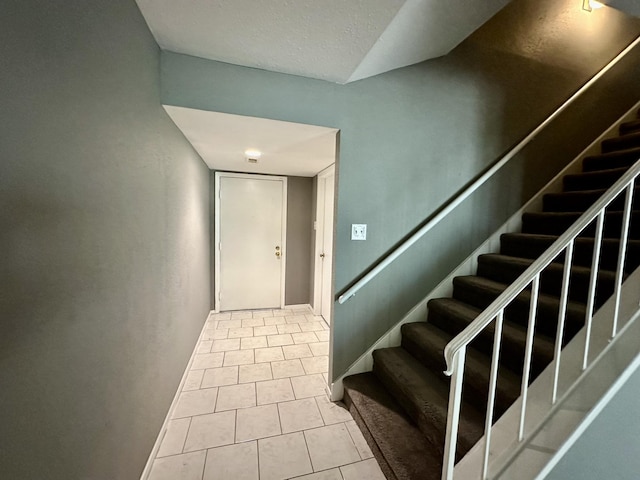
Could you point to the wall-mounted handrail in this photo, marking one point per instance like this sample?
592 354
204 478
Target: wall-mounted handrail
462 196
455 350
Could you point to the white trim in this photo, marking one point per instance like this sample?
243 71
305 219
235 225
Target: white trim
418 313
163 429
216 235
319 232
449 206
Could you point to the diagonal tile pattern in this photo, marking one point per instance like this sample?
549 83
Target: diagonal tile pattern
254 406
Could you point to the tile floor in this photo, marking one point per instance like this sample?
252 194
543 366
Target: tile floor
254 406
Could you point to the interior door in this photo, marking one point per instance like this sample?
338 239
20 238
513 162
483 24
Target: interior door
251 241
326 183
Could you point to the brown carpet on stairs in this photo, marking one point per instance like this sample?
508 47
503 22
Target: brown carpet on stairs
401 406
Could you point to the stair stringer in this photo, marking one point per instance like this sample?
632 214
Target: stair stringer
392 337
608 360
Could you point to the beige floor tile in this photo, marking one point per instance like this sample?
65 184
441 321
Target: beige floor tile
305 337
204 346
274 391
314 318
193 380
255 373
275 321
241 315
236 396
279 340
262 313
315 364
368 469
253 322
311 327
240 332
215 334
323 336
196 402
287 368
272 354
283 457
179 467
174 438
320 348
358 439
230 324
300 415
207 360
257 422
330 447
296 351
332 412
289 328
295 319
219 377
266 330
233 462
253 342
213 430
239 357
221 316
333 474
309 386
225 345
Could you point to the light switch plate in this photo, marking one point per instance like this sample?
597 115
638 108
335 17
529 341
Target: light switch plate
358 231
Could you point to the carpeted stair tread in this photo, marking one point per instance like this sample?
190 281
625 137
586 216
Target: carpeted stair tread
623 142
425 396
481 292
527 245
452 316
593 180
629 127
506 269
426 343
581 200
401 450
617 159
556 223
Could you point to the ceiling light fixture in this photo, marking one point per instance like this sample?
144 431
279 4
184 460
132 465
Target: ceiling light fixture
252 153
589 5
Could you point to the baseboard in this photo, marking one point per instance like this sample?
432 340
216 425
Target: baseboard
163 429
419 313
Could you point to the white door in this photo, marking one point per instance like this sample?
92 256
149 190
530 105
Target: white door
251 240
324 242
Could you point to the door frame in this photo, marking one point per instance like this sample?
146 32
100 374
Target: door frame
216 233
319 234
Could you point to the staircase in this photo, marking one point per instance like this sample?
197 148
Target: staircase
401 406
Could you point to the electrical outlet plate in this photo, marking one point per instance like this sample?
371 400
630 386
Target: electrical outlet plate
358 231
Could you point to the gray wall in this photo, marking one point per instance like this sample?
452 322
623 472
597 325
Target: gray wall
609 448
411 138
299 234
104 281
298 281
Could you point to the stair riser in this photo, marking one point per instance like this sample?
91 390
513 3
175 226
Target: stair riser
518 310
551 280
604 180
557 225
630 127
512 350
582 202
613 160
582 253
621 143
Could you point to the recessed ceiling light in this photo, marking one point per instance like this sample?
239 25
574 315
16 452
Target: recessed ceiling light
253 153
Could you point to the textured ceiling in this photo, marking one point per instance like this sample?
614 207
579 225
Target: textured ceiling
287 148
334 40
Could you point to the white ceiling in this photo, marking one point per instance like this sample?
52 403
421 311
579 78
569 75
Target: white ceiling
287 148
335 40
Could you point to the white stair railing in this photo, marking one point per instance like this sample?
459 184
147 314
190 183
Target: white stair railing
455 351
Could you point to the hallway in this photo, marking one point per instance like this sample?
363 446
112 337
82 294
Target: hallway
254 406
